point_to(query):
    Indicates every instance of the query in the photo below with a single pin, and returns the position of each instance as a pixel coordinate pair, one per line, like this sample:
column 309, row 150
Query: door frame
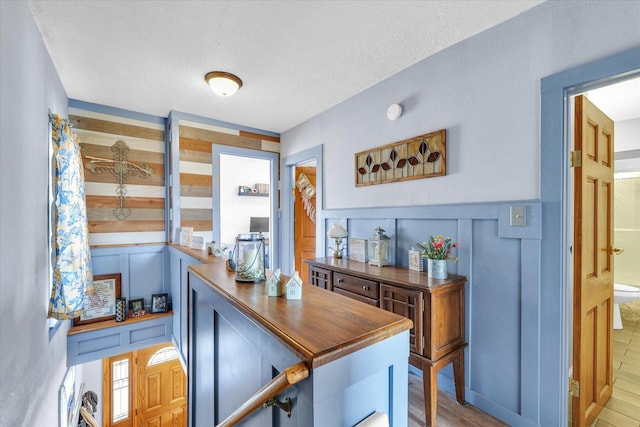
column 556, row 308
column 272, row 158
column 287, row 168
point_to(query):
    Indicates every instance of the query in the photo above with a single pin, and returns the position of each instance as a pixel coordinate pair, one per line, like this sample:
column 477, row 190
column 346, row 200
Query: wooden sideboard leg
column 458, row 376
column 430, row 383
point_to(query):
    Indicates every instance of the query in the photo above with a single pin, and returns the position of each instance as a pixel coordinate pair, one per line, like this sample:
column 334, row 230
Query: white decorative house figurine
column 294, row 287
column 274, row 285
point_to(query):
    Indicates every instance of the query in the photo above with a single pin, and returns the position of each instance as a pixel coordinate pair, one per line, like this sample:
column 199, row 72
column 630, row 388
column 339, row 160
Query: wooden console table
column 436, row 308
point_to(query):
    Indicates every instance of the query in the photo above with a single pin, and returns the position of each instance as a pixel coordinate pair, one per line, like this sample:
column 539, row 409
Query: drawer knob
column 340, row 280
column 365, row 287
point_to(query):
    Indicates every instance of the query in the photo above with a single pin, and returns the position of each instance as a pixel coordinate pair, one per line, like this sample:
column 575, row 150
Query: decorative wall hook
column 121, row 168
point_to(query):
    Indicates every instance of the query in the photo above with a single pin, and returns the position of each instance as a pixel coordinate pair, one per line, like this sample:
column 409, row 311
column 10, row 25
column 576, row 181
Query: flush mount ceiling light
column 222, row 83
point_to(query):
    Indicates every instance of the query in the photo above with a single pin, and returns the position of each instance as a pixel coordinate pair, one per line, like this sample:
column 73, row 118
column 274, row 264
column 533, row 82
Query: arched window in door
column 163, row 355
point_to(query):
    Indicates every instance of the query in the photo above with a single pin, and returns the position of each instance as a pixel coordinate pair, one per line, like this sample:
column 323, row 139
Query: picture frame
column 358, row 249
column 186, row 234
column 415, row 261
column 136, row 306
column 100, row 299
column 423, row 156
column 159, row 303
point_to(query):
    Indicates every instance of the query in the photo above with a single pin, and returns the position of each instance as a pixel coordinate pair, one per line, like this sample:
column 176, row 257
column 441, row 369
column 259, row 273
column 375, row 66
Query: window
column 120, row 390
column 163, row 355
column 54, row 324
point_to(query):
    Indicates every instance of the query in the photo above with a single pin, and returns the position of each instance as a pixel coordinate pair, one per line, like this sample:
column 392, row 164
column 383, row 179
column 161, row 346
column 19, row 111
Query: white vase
column 437, row 268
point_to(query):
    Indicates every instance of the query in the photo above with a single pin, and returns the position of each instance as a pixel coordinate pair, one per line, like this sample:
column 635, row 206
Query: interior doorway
column 594, row 246
column 309, row 157
column 145, row 388
column 304, row 238
column 245, row 197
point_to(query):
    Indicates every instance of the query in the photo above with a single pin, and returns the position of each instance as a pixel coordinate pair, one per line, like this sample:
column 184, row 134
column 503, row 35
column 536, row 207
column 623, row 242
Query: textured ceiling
column 296, row 58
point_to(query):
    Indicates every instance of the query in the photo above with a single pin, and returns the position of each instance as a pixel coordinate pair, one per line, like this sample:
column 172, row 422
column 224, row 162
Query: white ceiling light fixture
column 223, row 83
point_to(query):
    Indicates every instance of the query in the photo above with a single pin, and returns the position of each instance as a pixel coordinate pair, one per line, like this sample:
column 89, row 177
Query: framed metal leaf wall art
column 419, row 157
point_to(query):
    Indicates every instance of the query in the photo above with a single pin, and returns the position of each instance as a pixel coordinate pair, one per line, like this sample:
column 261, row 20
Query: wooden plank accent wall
column 145, row 197
column 196, row 179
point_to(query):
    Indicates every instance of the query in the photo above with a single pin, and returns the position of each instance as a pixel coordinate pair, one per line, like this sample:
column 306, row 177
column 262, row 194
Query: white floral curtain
column 72, row 270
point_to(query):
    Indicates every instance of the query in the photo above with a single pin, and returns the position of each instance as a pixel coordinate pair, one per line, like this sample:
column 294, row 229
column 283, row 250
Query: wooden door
column 304, row 236
column 593, row 262
column 117, row 408
column 161, row 389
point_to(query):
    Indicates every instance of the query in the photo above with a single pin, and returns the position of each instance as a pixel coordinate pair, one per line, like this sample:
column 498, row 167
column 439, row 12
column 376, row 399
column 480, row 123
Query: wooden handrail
column 281, row 382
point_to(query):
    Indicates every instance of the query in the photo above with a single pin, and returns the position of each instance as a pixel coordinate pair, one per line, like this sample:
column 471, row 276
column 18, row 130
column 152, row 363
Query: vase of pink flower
column 437, row 251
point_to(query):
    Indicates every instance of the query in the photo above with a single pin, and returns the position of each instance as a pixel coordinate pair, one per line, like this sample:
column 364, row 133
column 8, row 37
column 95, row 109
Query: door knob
column 616, row 251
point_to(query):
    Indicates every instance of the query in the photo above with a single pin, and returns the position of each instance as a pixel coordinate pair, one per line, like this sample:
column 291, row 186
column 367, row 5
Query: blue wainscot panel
column 144, row 269
column 93, row 345
column 502, row 264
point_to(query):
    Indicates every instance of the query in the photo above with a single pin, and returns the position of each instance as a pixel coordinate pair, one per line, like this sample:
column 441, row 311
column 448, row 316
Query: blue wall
column 486, row 92
column 32, row 364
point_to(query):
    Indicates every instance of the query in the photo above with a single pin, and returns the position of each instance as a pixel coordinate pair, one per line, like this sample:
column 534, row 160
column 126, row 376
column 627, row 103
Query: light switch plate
column 518, row 215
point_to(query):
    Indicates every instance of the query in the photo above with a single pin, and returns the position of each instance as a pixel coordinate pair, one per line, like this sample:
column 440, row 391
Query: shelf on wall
column 112, row 323
column 242, row 193
column 95, row 341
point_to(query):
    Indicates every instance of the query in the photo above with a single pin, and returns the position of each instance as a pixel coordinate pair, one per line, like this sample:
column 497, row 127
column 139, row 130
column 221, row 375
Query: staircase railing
column 266, row 395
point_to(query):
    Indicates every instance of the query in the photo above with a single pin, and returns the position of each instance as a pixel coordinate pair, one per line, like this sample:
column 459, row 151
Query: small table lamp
column 379, row 252
column 337, row 233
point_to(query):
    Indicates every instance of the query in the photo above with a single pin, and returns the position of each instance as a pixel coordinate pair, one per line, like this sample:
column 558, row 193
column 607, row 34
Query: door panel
column 593, row 268
column 304, row 239
column 162, row 391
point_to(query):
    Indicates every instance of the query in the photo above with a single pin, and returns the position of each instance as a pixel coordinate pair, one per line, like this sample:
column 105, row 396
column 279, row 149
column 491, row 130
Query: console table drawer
column 356, row 285
column 357, row 297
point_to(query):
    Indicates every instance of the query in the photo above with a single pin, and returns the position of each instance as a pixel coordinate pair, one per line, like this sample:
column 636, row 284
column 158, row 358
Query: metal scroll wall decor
column 308, row 192
column 121, row 168
column 419, row 157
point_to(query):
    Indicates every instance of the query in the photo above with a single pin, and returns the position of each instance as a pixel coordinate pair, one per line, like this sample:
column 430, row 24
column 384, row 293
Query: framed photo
column 186, row 234
column 136, row 306
column 358, row 249
column 100, row 300
column 415, row 261
column 159, row 303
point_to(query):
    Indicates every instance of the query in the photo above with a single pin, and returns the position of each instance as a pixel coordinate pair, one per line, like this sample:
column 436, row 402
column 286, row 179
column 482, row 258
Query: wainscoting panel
column 147, row 273
column 502, row 265
column 494, row 318
column 144, row 269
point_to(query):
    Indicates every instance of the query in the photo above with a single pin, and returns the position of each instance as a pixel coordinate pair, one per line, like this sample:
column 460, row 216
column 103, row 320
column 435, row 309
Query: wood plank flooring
column 623, row 409
column 450, row 412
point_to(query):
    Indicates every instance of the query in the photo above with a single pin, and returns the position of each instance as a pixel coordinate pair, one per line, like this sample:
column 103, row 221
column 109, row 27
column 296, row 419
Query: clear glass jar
column 249, row 258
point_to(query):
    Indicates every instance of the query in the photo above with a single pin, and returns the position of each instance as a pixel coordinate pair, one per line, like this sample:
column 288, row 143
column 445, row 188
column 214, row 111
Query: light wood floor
column 623, row 409
column 450, row 412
